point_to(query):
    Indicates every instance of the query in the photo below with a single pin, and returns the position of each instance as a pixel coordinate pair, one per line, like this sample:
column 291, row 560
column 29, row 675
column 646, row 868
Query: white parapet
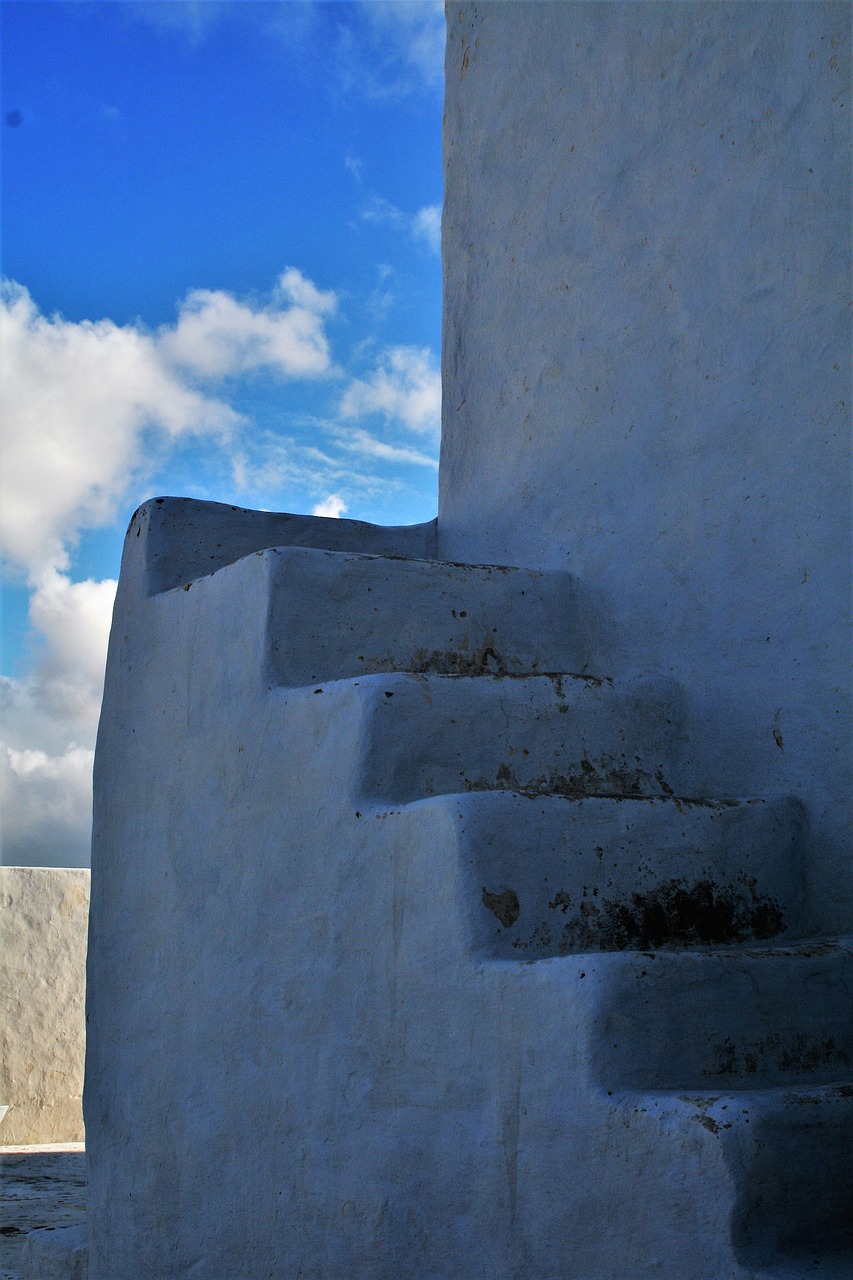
column 44, row 914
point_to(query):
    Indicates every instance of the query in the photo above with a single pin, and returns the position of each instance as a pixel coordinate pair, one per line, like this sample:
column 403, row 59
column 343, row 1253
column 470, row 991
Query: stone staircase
column 521, row 911
column 573, row 840
column 755, row 1046
column 575, row 837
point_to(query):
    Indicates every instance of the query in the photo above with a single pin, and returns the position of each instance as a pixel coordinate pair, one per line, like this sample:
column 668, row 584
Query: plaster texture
column 647, row 357
column 43, row 924
column 513, row 1003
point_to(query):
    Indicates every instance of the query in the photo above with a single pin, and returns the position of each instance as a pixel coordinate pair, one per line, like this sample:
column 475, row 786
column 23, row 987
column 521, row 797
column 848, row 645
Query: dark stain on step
column 605, row 777
column 504, row 905
column 796, row 1054
column 673, row 914
column 453, row 662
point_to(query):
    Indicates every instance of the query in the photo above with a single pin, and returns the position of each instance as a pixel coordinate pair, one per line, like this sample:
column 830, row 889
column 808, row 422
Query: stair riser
column 745, row 1020
column 795, row 1190
column 787, row 1197
column 553, row 877
column 372, row 614
column 543, row 735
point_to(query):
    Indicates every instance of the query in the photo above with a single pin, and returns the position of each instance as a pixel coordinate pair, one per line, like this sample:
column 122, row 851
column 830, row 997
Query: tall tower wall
column 647, row 356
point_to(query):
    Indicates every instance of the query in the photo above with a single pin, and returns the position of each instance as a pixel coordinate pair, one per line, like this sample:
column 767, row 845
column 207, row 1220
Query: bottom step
column 789, row 1155
column 794, row 1166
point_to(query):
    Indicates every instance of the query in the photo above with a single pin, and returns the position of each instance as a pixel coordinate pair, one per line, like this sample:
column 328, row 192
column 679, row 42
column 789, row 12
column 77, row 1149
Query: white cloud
column 411, row 32
column 379, row 301
column 193, row 19
column 333, row 507
column 299, row 290
column 270, row 463
column 382, row 212
column 404, row 389
column 74, row 620
column 425, row 225
column 88, row 404
column 357, row 440
column 217, row 336
column 47, row 803
column 88, row 408
column 49, row 723
column 375, row 49
column 77, row 398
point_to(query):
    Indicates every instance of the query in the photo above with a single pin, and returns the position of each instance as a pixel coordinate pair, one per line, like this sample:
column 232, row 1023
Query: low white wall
column 44, row 914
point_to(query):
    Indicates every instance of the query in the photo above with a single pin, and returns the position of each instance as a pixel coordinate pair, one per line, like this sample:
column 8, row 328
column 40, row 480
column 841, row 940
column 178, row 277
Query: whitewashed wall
column 647, row 357
column 44, row 914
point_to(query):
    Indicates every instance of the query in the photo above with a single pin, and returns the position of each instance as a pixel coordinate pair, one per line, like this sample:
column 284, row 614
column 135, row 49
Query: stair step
column 559, row 734
column 380, row 614
column 546, row 876
column 746, row 1018
column 788, row 1153
column 795, row 1188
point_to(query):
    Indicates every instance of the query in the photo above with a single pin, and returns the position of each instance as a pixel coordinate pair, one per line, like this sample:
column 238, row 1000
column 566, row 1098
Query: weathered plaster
column 393, row 924
column 43, row 921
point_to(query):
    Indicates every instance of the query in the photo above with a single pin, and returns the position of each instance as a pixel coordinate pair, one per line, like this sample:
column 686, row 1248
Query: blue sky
column 221, row 278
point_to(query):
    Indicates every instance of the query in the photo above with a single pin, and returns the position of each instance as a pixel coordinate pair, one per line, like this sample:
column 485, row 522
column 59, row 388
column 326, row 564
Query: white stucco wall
column 400, row 901
column 44, row 915
column 647, row 357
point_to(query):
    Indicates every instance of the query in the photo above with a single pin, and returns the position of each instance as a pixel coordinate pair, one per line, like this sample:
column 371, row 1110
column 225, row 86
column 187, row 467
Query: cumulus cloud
column 49, row 723
column 404, row 388
column 47, row 802
column 86, row 402
column 217, row 336
column 333, row 507
column 77, row 398
column 296, row 288
column 88, row 407
column 73, row 619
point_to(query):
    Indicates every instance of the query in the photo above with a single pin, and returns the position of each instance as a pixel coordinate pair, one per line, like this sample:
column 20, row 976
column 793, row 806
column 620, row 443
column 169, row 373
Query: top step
column 335, row 616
